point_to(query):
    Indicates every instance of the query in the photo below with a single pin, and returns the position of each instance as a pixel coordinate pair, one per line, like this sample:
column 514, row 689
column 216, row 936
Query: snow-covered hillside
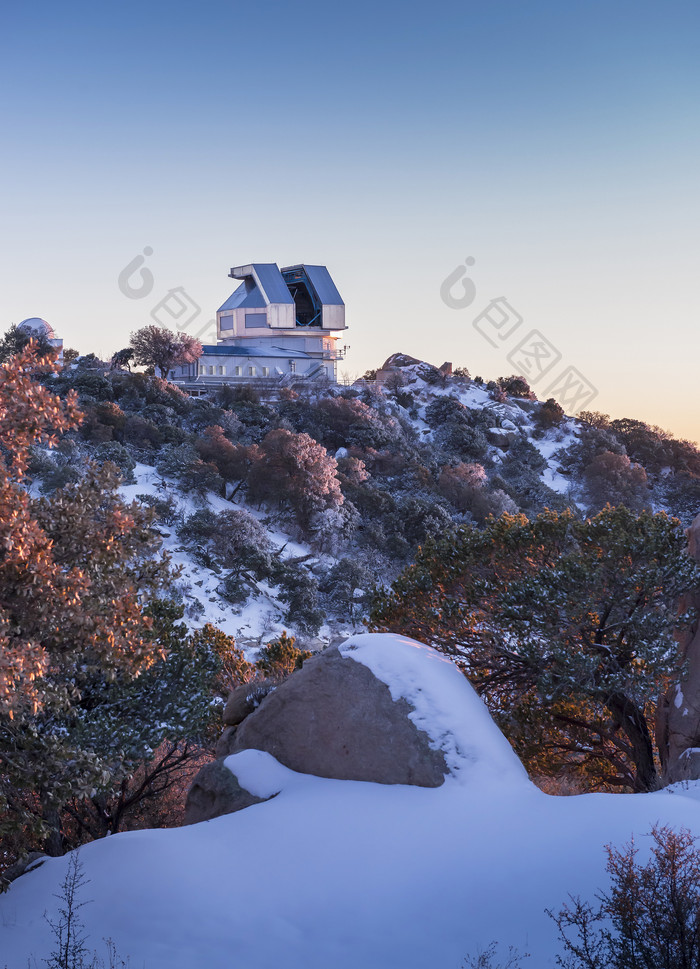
column 415, row 457
column 348, row 874
column 262, row 616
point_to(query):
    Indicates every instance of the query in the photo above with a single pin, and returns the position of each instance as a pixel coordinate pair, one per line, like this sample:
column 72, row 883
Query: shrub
column 459, row 484
column 232, row 460
column 233, row 667
column 346, row 579
column 165, row 509
column 294, row 470
column 193, row 475
column 141, row 433
column 613, row 479
column 232, row 540
column 649, row 918
column 65, row 467
column 119, row 456
column 681, row 496
column 445, row 410
column 300, row 592
column 280, row 657
column 549, row 414
column 464, row 441
column 516, row 386
column 341, row 421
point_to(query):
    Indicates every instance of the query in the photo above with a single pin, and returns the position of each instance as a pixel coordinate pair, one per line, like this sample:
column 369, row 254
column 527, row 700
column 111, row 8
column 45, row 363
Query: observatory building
column 38, row 328
column 279, row 325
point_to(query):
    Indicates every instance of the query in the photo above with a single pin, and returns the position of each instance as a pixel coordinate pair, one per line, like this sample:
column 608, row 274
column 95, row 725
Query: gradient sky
column 557, row 144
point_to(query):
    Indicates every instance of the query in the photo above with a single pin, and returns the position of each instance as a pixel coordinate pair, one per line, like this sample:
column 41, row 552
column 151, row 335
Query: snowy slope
column 260, row 618
column 346, row 874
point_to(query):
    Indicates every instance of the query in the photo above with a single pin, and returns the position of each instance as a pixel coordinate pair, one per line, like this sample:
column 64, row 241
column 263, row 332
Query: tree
column 150, row 730
column 29, row 415
column 567, row 628
column 549, row 414
column 293, row 469
column 78, row 568
column 231, row 460
column 121, row 360
column 516, row 386
column 613, row 478
column 156, row 346
column 650, row 916
column 15, row 340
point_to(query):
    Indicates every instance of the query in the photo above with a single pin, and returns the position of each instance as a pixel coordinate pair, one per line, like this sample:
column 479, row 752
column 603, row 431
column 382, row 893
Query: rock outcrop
column 333, row 718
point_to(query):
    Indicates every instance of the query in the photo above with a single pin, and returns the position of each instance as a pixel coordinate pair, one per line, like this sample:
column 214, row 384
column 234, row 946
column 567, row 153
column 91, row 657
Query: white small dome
column 37, row 327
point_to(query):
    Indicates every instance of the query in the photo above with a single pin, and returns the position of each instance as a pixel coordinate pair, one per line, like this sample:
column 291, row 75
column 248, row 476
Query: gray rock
column 501, row 437
column 224, row 745
column 241, row 702
column 334, row 718
column 25, row 864
column 216, row 791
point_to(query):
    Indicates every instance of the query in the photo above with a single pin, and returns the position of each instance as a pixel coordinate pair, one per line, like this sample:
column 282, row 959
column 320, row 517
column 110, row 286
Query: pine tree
column 567, row 628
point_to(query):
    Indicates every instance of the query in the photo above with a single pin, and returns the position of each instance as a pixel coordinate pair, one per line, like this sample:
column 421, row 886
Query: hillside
column 312, row 536
column 287, row 514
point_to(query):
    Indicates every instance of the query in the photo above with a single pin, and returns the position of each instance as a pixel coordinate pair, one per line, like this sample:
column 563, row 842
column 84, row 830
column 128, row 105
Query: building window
column 251, row 371
column 211, row 371
column 226, row 321
column 266, row 371
column 222, row 371
column 237, row 371
column 202, row 368
column 292, row 366
column 256, row 320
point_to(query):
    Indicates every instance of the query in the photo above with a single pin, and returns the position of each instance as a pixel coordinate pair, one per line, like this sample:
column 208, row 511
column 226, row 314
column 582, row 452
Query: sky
column 453, row 152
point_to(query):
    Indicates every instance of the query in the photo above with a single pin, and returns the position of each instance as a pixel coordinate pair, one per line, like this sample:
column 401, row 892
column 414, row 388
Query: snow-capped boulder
column 216, row 791
column 378, row 708
column 501, row 437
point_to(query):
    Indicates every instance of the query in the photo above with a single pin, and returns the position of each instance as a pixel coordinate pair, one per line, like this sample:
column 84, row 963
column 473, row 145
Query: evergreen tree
column 567, row 628
column 77, row 570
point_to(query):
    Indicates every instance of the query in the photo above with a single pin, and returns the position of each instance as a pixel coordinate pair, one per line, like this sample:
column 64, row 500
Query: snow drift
column 349, row 873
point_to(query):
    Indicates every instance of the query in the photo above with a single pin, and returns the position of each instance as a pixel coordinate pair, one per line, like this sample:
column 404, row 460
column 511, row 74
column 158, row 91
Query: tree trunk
column 678, row 710
column 53, row 843
column 633, row 723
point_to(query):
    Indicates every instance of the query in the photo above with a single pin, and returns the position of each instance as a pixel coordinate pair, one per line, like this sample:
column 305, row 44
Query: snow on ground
column 548, row 445
column 261, row 617
column 346, row 874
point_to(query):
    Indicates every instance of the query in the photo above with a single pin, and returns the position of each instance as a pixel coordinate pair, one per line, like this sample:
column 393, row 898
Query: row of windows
column 221, row 371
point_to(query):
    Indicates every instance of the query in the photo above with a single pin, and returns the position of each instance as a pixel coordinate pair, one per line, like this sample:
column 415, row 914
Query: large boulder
column 378, row 708
column 335, row 718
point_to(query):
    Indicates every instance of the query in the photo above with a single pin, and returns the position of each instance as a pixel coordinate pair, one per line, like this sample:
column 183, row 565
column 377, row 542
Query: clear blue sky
column 558, row 144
